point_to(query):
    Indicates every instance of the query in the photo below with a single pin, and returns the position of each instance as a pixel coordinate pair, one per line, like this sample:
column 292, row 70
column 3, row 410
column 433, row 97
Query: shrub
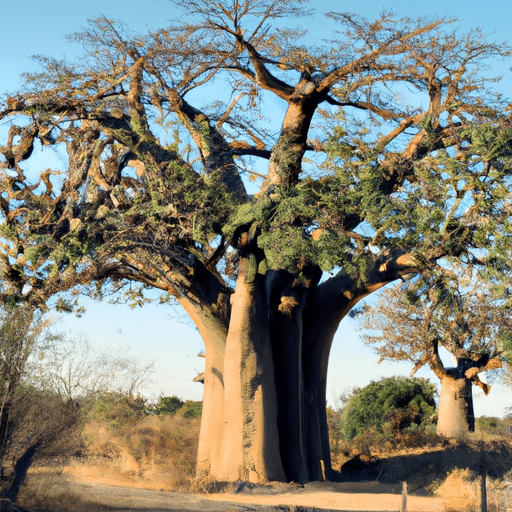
column 334, row 424
column 166, row 405
column 192, row 409
column 116, row 410
column 490, row 425
column 157, row 452
column 460, row 491
column 397, row 400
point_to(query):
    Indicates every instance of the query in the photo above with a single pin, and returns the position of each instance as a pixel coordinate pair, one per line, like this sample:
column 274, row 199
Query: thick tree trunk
column 455, row 414
column 327, row 306
column 209, row 452
column 286, row 335
column 213, row 333
column 317, row 346
column 20, row 473
column 272, row 388
column 250, row 444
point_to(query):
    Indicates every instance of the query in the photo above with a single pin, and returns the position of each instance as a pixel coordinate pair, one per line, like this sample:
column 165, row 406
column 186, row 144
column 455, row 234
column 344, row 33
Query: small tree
column 465, row 314
column 334, row 423
column 371, row 406
column 32, row 422
column 115, row 409
column 43, row 424
column 192, row 409
column 44, row 378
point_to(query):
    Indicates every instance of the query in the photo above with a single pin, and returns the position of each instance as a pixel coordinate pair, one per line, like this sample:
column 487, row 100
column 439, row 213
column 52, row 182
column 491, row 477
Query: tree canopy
column 417, row 151
column 392, row 155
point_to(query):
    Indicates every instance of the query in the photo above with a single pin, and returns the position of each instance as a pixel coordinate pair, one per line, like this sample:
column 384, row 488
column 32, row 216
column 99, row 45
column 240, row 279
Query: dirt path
column 369, row 497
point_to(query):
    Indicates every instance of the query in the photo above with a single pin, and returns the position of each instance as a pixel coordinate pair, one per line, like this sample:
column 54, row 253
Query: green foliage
column 490, row 425
column 166, row 405
column 116, row 410
column 395, row 177
column 368, row 406
column 191, row 409
column 452, row 307
column 334, row 425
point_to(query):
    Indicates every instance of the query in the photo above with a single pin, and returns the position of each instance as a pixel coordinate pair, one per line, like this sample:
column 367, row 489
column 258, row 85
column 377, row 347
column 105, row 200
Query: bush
column 173, row 405
column 157, row 452
column 166, row 405
column 192, row 409
column 116, row 410
column 400, row 401
column 491, row 425
column 334, row 424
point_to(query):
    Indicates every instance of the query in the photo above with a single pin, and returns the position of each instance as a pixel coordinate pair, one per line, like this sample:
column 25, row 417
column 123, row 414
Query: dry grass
column 460, row 491
column 159, row 452
column 373, row 444
column 49, row 490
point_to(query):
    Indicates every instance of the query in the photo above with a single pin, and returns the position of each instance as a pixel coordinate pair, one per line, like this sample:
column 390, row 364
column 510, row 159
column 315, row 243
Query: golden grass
column 159, row 452
column 460, row 491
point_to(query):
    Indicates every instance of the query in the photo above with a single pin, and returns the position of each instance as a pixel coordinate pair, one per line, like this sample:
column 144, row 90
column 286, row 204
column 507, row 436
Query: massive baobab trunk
column 269, row 420
column 270, row 423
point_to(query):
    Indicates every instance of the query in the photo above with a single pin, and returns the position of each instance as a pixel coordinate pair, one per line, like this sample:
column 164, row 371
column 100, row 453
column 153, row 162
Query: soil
column 368, row 497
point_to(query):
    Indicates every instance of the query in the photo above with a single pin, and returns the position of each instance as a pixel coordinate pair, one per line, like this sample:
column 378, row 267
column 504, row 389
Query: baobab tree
column 161, row 133
column 464, row 314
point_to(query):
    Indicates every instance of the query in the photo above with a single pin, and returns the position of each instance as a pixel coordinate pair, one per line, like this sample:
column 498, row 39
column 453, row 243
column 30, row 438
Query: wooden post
column 483, row 492
column 404, row 497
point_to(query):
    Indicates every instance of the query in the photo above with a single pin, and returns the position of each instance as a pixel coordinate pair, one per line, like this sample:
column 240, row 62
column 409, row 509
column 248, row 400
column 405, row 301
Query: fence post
column 483, row 492
column 404, row 497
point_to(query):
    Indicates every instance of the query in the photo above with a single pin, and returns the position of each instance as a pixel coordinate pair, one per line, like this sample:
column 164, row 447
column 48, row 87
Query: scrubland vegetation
column 125, row 437
column 124, row 440
column 449, row 468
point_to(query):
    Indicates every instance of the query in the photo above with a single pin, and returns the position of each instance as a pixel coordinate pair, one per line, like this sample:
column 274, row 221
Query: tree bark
column 327, row 305
column 455, row 414
column 250, row 443
column 287, row 154
column 286, row 336
column 209, row 450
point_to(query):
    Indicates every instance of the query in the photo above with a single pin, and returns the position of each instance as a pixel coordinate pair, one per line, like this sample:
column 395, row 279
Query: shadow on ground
column 424, row 470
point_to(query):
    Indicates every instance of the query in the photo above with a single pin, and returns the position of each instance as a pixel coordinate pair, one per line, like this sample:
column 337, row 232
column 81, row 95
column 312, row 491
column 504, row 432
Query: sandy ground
column 369, row 497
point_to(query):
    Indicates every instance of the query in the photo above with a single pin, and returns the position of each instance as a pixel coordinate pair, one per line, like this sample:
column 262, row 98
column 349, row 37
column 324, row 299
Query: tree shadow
column 426, row 469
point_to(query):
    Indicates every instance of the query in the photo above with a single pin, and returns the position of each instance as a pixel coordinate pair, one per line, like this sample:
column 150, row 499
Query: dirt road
column 369, row 497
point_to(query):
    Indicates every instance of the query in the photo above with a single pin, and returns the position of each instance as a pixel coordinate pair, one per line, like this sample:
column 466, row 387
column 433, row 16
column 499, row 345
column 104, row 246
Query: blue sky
column 157, row 332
